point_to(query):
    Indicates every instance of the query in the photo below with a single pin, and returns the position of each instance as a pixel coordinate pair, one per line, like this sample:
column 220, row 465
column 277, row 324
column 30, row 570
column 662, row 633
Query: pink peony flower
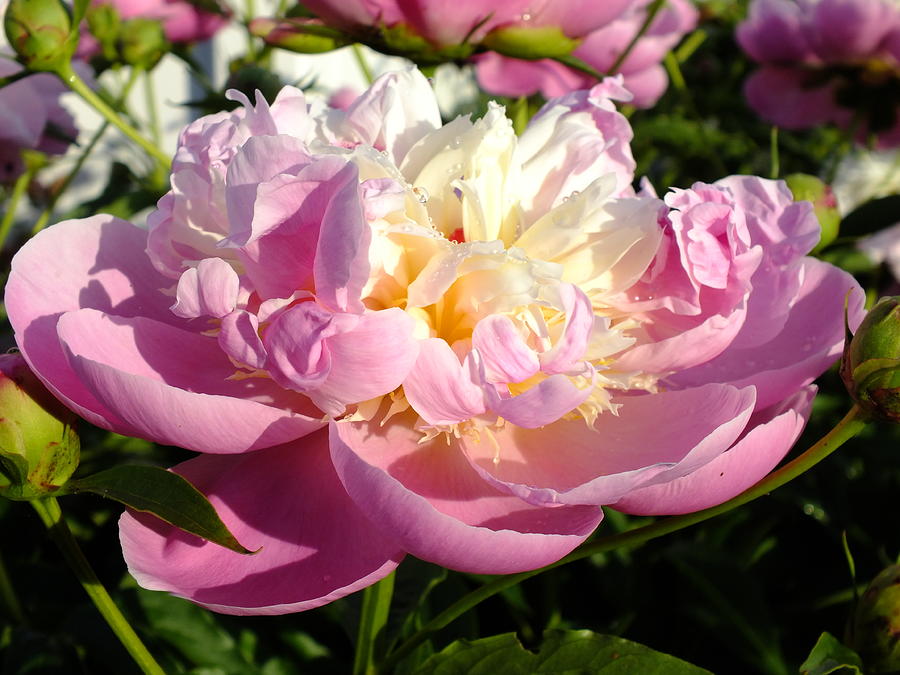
column 446, row 24
column 825, row 61
column 389, row 336
column 31, row 117
column 645, row 78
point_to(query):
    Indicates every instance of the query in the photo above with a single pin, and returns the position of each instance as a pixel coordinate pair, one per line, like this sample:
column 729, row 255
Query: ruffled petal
column 170, row 386
column 653, row 438
column 315, row 544
column 772, row 433
column 440, row 510
column 440, row 388
column 210, row 289
column 811, row 340
column 97, row 262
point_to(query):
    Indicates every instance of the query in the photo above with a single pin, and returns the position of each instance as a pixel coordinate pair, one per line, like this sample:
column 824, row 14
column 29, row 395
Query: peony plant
column 389, row 335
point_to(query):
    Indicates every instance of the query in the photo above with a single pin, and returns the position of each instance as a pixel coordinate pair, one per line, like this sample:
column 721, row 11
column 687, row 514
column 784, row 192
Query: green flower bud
column 876, row 624
column 871, row 364
column 105, row 24
column 142, row 42
column 39, row 448
column 542, row 42
column 305, row 36
column 814, row 190
column 38, row 31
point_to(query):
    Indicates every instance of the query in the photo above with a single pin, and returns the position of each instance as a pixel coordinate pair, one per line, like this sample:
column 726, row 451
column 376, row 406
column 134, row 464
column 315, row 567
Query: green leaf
column 164, row 494
column 563, row 652
column 830, row 657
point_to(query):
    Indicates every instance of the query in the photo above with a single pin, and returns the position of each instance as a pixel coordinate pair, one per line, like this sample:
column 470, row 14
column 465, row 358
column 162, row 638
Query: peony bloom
column 825, row 61
column 31, row 117
column 644, row 77
column 389, row 336
column 445, row 24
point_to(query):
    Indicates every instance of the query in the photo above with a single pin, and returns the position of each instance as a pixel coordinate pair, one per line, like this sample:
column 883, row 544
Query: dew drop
column 421, row 194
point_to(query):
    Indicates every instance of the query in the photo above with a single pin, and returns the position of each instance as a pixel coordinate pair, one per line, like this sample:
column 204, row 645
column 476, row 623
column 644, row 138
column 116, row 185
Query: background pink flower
column 387, row 335
column 446, row 24
column 825, row 61
column 31, row 117
column 644, row 75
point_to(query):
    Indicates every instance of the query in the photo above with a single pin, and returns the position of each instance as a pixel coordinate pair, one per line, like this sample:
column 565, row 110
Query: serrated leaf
column 831, row 657
column 163, row 493
column 562, row 652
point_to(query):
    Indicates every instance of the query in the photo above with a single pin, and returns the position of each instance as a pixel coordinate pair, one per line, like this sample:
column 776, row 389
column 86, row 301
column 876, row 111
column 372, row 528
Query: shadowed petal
column 315, row 544
column 440, row 510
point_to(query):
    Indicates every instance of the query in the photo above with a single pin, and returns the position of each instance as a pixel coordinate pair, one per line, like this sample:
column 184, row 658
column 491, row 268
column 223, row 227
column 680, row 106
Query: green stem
column 362, row 63
column 150, row 102
column 852, row 423
column 372, row 620
column 652, row 11
column 51, row 515
column 8, row 593
column 76, row 84
column 575, row 63
column 44, row 218
column 775, row 168
column 19, row 189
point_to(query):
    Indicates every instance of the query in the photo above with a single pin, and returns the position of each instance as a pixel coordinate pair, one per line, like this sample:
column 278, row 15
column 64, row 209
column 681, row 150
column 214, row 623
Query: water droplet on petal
column 421, row 194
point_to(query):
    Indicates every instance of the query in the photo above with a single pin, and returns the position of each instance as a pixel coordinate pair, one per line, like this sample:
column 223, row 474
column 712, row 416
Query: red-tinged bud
column 305, row 36
column 38, row 31
column 39, row 448
column 871, row 364
column 812, row 189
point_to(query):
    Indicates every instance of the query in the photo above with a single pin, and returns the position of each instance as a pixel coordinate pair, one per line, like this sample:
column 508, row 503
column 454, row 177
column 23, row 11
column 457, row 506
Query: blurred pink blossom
column 445, row 23
column 182, row 21
column 825, row 61
column 31, row 117
column 644, row 75
column 387, row 335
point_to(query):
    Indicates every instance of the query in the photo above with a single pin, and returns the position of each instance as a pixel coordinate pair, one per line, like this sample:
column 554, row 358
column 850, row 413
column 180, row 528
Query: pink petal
column 210, row 289
column 772, row 433
column 504, row 353
column 97, row 262
column 440, row 388
column 371, row 360
column 570, row 347
column 811, row 340
column 544, row 403
column 315, row 544
column 440, row 510
column 572, row 463
column 787, row 97
column 239, row 339
column 171, row 386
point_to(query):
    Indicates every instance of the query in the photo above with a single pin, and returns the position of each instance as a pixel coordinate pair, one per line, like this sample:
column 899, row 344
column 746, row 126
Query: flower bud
column 871, row 364
column 104, row 23
column 39, row 448
column 531, row 43
column 305, row 36
column 876, row 624
column 38, row 31
column 812, row 189
column 142, row 42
